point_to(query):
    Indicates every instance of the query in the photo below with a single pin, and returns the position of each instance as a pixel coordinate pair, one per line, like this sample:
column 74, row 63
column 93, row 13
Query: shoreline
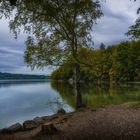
column 39, row 120
column 110, row 122
column 31, row 124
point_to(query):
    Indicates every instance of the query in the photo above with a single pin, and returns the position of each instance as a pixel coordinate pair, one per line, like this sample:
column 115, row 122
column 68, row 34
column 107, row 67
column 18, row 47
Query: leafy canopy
column 120, row 62
column 58, row 27
column 134, row 30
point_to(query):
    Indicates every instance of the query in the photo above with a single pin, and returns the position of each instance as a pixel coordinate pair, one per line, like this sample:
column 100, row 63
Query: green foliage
column 62, row 73
column 59, row 27
column 115, row 63
column 134, row 30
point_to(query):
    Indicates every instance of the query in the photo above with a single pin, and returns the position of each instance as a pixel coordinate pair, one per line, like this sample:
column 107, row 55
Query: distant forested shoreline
column 117, row 63
column 9, row 76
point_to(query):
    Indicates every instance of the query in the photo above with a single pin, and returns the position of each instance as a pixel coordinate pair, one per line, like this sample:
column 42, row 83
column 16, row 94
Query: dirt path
column 110, row 123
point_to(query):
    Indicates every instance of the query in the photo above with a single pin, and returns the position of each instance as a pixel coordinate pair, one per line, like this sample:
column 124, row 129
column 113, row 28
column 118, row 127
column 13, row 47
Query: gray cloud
column 118, row 16
column 8, row 50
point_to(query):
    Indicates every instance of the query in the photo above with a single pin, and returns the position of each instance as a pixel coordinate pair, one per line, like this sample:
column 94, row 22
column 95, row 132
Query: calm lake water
column 23, row 100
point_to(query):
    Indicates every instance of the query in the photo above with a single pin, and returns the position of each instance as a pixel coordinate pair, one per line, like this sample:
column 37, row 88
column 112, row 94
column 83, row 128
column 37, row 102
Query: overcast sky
column 110, row 29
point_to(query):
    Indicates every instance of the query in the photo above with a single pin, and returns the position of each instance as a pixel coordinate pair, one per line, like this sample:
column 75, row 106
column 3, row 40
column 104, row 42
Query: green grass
column 132, row 104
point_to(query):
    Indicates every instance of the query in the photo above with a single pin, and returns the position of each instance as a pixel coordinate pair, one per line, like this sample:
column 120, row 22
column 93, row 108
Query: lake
column 24, row 100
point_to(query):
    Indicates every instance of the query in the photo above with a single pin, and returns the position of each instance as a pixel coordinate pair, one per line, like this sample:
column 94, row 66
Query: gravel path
column 112, row 123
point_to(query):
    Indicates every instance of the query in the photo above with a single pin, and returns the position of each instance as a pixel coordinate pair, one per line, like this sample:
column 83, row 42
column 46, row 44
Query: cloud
column 8, row 50
column 118, row 16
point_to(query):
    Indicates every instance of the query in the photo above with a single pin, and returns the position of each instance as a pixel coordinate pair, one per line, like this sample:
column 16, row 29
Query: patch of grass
column 135, row 104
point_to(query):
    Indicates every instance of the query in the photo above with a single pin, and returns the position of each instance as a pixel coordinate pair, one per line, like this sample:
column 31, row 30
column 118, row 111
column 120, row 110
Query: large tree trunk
column 76, row 85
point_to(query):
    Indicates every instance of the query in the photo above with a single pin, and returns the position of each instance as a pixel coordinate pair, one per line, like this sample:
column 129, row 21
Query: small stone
column 45, row 118
column 48, row 129
column 14, row 128
column 29, row 124
column 38, row 120
column 50, row 118
column 4, row 130
column 61, row 111
column 53, row 117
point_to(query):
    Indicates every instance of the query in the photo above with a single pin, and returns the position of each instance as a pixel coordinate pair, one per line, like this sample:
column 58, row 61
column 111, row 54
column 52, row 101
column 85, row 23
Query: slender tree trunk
column 76, row 73
column 76, row 85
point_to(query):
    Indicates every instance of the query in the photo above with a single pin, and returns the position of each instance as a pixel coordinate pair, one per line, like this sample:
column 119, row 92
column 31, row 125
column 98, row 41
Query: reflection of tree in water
column 75, row 94
column 65, row 91
column 98, row 95
column 57, row 104
column 78, row 94
column 69, row 93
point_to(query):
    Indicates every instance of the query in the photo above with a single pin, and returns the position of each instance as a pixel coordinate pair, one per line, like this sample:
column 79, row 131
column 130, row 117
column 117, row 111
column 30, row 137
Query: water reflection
column 98, row 95
column 23, row 100
column 8, row 83
column 20, row 101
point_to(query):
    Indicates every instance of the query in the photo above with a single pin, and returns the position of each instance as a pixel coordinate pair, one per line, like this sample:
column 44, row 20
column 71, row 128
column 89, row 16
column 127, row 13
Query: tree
column 59, row 28
column 134, row 30
column 115, row 63
column 102, row 46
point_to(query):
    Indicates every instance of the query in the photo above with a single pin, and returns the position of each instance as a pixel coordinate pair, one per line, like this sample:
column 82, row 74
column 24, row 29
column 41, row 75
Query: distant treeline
column 5, row 76
column 113, row 63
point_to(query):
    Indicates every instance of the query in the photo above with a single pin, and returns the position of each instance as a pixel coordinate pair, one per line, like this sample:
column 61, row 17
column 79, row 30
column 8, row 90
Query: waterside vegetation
column 116, row 63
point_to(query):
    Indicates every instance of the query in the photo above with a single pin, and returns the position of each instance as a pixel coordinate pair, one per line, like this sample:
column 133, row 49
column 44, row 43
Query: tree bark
column 76, row 85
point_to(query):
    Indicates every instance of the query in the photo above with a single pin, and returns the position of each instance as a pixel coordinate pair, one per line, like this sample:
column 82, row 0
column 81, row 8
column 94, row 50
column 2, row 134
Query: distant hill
column 9, row 76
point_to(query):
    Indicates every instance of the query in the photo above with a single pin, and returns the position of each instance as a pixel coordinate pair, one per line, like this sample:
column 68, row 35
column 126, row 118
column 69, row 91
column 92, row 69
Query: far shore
column 24, row 79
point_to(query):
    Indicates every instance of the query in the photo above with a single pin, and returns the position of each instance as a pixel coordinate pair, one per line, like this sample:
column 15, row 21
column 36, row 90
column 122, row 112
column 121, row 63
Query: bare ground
column 111, row 123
